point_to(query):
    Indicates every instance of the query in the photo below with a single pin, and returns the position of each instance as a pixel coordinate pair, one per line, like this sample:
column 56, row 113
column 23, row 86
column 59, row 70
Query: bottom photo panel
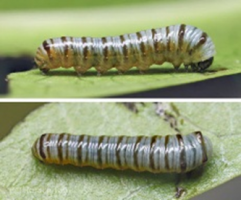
column 120, row 150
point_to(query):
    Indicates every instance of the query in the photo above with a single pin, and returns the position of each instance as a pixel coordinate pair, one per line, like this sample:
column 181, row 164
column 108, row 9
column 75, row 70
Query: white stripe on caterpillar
column 176, row 44
column 170, row 153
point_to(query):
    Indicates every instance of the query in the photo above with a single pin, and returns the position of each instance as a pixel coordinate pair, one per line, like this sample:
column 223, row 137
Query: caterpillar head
column 201, row 66
column 205, row 64
column 201, row 49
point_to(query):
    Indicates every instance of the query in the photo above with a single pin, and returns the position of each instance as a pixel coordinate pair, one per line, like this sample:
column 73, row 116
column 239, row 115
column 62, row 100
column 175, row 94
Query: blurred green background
column 25, row 24
column 56, row 4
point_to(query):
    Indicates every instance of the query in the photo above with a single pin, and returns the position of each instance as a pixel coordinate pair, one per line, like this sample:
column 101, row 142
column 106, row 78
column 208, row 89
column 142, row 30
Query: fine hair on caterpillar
column 176, row 44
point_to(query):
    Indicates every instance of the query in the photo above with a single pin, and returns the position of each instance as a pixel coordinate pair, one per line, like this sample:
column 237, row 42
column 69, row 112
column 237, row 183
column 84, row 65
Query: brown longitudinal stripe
column 106, row 155
column 52, row 43
column 85, row 49
column 99, row 151
column 137, row 143
column 48, row 146
column 124, row 47
column 59, row 146
column 79, row 152
column 41, row 150
column 155, row 42
column 118, row 149
column 181, row 35
column 202, row 40
column 72, row 43
column 66, row 47
column 153, row 145
column 74, row 52
column 114, row 53
column 37, row 59
column 67, row 147
column 46, row 47
column 166, row 152
column 183, row 163
column 142, row 45
column 88, row 145
column 105, row 50
column 201, row 141
column 91, row 52
column 168, row 39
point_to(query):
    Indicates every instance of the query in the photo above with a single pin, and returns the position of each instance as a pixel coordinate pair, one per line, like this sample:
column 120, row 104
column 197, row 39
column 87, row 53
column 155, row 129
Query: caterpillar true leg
column 78, row 70
column 186, row 67
column 44, row 71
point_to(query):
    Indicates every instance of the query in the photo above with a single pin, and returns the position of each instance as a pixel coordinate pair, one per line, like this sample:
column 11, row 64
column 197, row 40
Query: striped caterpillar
column 177, row 44
column 170, row 153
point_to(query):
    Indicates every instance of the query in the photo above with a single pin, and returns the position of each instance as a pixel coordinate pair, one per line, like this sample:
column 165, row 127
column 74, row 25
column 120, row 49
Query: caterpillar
column 170, row 153
column 177, row 44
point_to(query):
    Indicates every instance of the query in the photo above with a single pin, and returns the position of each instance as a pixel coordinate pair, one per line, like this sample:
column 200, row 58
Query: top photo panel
column 120, row 49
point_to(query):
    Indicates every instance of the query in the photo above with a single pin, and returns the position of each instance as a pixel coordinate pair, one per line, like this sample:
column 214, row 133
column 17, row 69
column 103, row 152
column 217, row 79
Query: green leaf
column 24, row 177
column 37, row 26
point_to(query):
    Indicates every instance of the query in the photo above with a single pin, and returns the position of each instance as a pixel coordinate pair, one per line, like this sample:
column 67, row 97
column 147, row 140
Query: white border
column 19, row 100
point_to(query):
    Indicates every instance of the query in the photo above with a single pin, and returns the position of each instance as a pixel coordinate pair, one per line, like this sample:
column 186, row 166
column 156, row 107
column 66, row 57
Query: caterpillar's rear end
column 178, row 44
